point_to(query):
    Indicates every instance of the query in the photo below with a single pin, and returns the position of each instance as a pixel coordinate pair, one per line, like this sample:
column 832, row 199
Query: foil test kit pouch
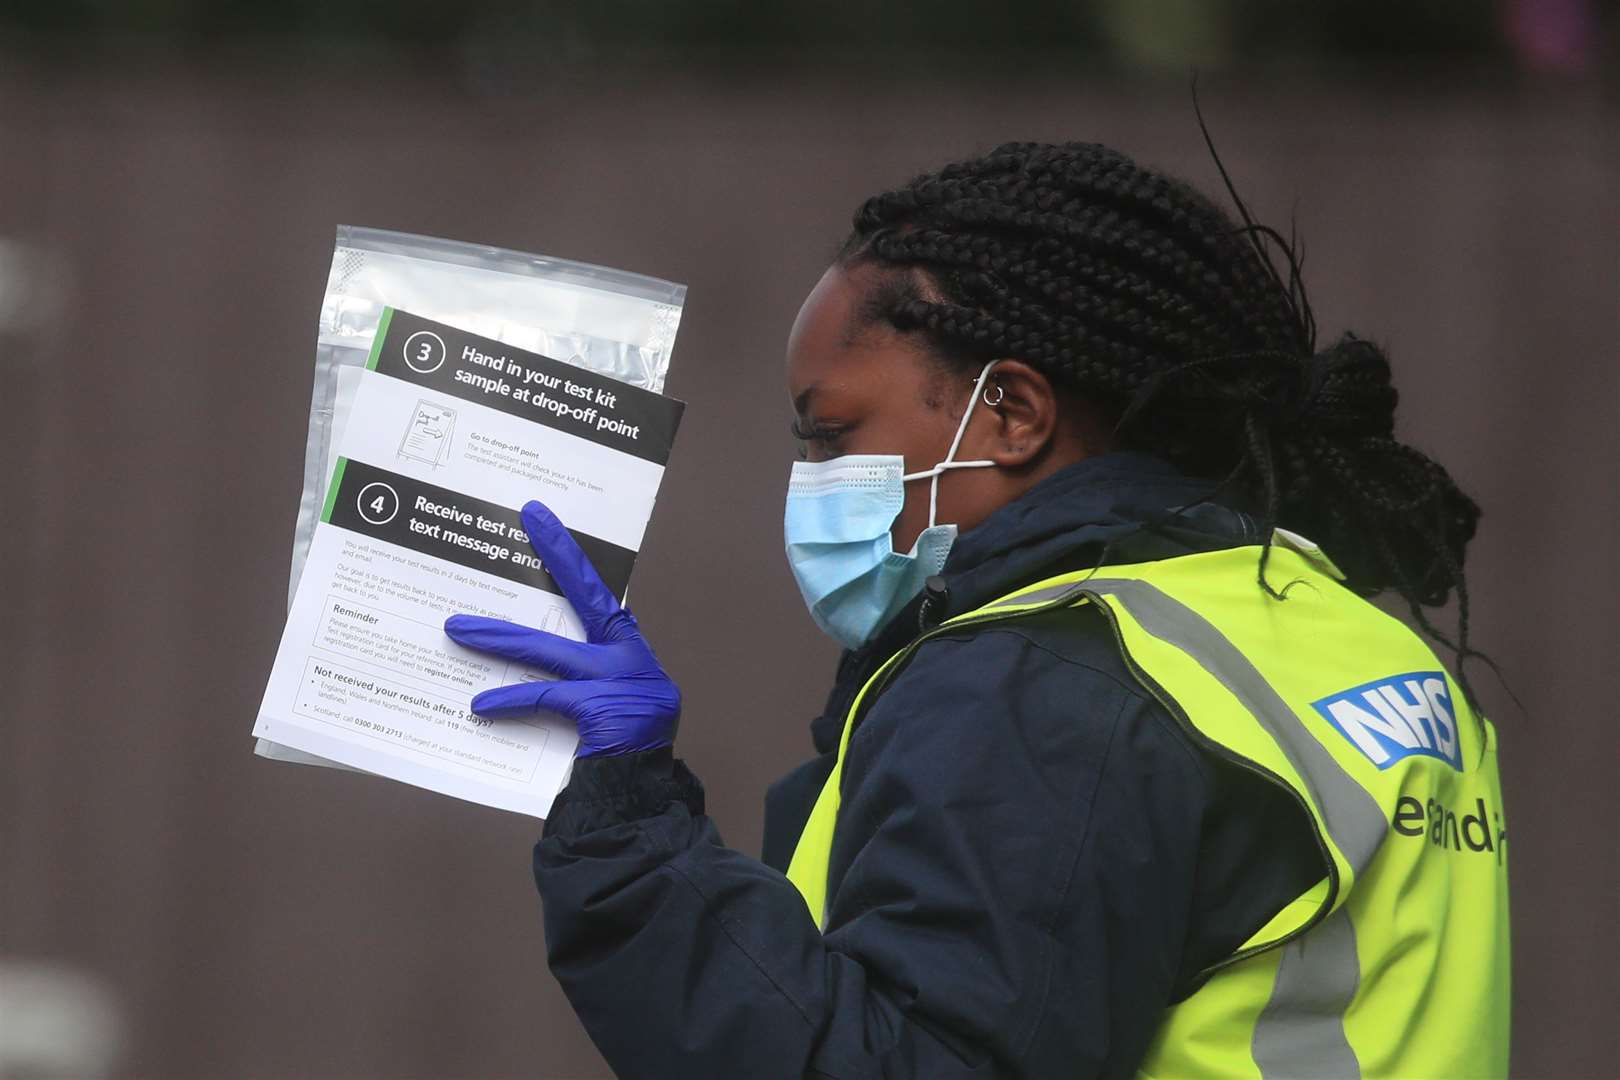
column 611, row 322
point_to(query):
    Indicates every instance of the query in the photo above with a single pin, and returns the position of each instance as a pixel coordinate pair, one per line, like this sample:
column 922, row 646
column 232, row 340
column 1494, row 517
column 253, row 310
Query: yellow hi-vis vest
column 1396, row 963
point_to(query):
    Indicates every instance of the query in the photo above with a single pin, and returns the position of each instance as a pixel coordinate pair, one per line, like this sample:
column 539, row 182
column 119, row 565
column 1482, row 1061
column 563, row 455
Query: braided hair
column 1141, row 295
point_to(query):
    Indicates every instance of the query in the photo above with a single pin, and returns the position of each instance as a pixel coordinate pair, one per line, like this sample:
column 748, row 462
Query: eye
column 816, row 433
column 822, row 436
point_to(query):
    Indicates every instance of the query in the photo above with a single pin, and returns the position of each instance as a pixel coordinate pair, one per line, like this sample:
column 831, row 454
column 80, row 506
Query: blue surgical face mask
column 837, row 524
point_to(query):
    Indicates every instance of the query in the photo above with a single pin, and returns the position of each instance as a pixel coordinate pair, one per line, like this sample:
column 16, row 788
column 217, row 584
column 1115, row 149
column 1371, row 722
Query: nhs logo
column 1397, row 717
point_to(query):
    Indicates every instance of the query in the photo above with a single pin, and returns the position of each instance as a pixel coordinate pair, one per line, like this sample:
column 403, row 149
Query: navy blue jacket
column 1033, row 859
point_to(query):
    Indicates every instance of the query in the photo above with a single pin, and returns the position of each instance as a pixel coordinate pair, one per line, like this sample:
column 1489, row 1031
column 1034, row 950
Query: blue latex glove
column 610, row 685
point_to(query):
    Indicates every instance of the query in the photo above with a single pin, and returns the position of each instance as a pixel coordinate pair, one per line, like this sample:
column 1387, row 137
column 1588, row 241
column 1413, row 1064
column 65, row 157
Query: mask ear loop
column 950, row 455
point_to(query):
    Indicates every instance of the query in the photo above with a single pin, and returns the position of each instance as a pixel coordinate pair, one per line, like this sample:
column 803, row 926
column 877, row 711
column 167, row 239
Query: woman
column 1120, row 773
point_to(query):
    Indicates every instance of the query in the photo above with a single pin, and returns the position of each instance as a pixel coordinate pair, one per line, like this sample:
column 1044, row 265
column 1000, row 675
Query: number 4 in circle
column 377, row 503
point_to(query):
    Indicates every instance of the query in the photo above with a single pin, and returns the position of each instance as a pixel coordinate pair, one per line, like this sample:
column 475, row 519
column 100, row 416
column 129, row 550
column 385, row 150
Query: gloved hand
column 610, row 685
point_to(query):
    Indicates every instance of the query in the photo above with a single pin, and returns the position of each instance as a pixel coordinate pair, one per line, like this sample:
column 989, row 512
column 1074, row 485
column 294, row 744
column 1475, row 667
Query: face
column 874, row 391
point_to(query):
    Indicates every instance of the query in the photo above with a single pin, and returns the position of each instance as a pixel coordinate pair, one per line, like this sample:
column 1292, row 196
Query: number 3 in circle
column 424, row 352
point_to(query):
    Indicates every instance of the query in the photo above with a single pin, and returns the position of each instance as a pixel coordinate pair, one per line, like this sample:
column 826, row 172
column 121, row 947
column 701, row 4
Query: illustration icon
column 427, row 435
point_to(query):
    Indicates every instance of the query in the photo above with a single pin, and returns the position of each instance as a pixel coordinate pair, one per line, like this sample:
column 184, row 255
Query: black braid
column 1137, row 291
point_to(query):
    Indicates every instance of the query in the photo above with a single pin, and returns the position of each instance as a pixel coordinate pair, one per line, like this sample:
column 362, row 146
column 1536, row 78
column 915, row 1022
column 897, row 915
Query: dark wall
column 271, row 920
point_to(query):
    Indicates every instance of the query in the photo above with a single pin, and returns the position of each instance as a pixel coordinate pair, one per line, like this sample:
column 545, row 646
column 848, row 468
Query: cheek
column 923, row 439
column 913, row 516
column 966, row 498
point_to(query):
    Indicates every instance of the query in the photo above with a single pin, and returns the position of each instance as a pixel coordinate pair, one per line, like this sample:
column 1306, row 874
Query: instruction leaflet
column 449, row 434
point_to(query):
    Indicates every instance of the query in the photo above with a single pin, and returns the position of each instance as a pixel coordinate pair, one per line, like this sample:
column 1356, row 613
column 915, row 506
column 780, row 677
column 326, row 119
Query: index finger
column 568, row 566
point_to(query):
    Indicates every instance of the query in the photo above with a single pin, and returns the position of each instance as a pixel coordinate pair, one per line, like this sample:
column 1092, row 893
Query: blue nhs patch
column 1397, row 717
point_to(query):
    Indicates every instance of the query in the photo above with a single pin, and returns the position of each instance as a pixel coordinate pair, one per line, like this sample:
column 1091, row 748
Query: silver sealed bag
column 610, row 321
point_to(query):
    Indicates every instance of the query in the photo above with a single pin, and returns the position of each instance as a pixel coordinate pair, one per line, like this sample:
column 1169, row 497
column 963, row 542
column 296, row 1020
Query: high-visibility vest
column 1396, row 963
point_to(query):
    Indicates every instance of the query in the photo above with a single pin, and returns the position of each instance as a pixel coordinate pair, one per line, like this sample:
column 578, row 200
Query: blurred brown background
column 166, row 216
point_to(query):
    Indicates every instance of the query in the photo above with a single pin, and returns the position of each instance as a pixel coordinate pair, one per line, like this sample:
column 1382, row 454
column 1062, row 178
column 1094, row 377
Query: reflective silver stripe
column 1300, row 1032
column 1352, row 817
column 1354, row 821
column 1039, row 596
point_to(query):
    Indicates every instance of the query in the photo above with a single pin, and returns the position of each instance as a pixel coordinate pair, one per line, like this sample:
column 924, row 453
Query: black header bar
column 470, row 532
column 526, row 384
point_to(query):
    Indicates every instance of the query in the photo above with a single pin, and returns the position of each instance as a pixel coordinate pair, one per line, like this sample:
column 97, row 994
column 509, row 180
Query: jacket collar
column 1115, row 508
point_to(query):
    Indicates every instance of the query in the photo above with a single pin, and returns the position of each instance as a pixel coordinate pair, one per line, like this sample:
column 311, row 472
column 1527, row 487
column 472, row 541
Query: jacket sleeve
column 1010, row 888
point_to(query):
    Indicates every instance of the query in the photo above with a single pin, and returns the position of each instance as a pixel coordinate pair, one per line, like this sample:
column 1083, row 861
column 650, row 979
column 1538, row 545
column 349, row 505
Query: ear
column 1024, row 416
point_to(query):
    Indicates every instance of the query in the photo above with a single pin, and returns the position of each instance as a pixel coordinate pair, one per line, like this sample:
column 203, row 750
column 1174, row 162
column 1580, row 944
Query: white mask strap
column 948, row 463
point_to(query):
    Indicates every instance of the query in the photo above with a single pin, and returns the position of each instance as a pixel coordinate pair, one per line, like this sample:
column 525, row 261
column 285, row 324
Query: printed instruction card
column 449, row 435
